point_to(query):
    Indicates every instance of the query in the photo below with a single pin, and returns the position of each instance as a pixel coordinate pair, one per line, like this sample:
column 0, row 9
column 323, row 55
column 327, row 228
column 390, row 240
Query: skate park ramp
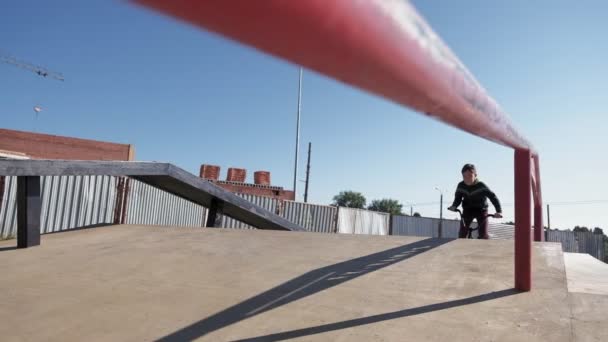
column 141, row 283
column 588, row 287
column 586, row 274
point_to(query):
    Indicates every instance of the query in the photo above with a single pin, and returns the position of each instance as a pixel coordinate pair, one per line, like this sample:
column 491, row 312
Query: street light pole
column 295, row 168
column 440, row 212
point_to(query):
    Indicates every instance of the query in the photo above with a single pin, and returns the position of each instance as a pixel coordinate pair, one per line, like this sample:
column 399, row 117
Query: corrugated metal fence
column 360, row 221
column 423, row 226
column 501, row 231
column 67, row 202
column 148, row 205
column 315, row 218
column 579, row 242
column 78, row 201
column 267, row 203
column 427, row 226
column 8, row 208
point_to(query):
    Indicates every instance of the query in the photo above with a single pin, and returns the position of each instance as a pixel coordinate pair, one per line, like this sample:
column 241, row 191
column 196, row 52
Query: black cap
column 468, row 167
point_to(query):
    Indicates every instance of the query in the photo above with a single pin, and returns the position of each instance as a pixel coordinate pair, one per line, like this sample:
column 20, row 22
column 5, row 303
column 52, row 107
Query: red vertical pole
column 523, row 206
column 538, row 204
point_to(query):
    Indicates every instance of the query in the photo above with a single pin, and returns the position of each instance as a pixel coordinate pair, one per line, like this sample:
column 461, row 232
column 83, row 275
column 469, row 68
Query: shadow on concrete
column 303, row 286
column 91, row 226
column 380, row 317
column 7, row 248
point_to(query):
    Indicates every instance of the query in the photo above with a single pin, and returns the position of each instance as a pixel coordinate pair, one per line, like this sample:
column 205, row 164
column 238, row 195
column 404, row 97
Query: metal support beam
column 523, row 224
column 164, row 176
column 28, row 211
column 216, row 209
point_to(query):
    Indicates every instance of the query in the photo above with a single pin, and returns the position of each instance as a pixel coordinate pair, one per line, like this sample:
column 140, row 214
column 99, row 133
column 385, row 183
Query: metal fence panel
column 579, row 242
column 427, row 226
column 424, row 226
column 268, row 203
column 67, row 202
column 315, row 218
column 8, row 208
column 360, row 221
column 148, row 205
column 499, row 231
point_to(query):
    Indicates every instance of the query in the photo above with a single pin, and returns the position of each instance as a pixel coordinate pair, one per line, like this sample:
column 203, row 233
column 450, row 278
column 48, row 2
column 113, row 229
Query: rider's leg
column 482, row 221
column 465, row 223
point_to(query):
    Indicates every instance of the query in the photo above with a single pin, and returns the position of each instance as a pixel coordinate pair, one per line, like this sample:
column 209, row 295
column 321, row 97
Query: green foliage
column 350, row 199
column 387, row 205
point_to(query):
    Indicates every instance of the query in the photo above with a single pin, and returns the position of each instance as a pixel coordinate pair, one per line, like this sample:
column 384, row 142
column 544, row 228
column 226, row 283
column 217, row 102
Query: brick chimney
column 236, row 175
column 261, row 177
column 211, row 172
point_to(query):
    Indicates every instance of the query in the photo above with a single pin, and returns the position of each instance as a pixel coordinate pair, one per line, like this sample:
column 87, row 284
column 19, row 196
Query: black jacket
column 474, row 197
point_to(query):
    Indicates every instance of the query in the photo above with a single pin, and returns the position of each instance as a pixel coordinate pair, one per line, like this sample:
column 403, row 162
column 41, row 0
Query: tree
column 350, row 199
column 598, row 230
column 416, row 214
column 580, row 229
column 386, row 205
column 512, row 223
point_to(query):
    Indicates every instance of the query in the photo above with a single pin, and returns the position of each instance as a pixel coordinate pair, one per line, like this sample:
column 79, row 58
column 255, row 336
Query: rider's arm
column 457, row 199
column 495, row 202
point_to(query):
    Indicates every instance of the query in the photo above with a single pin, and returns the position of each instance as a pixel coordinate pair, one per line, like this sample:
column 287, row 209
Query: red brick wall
column 244, row 189
column 44, row 146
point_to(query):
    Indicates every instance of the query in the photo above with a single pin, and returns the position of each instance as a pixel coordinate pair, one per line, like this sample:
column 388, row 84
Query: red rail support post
column 523, row 204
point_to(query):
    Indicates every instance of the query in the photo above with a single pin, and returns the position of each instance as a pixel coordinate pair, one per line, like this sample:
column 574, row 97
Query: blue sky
column 188, row 97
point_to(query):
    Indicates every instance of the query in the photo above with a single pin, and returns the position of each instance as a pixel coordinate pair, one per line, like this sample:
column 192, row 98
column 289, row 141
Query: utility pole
column 307, row 174
column 548, row 218
column 295, row 169
column 440, row 212
column 441, row 215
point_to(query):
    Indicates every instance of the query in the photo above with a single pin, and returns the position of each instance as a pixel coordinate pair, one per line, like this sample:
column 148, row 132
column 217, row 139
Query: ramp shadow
column 380, row 317
column 303, row 286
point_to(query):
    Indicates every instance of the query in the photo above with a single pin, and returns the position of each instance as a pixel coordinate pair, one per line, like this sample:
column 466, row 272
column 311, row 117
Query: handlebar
column 460, row 212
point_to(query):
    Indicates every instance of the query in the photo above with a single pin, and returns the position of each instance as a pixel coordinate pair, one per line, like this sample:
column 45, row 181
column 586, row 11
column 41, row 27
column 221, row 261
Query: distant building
column 28, row 145
column 236, row 182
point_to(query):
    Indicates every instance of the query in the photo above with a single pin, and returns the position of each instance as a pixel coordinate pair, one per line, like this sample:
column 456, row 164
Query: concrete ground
column 588, row 287
column 133, row 283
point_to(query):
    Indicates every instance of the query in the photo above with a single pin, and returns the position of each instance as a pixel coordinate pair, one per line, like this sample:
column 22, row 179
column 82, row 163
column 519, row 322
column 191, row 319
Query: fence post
column 118, row 201
column 2, row 182
column 337, row 220
column 125, row 200
column 29, row 203
column 216, row 209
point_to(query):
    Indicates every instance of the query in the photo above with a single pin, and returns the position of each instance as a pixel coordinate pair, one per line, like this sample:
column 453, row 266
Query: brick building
column 46, row 146
column 28, row 145
column 236, row 182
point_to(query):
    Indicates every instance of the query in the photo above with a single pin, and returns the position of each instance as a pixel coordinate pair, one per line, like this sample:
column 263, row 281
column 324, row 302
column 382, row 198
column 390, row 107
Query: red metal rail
column 386, row 48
